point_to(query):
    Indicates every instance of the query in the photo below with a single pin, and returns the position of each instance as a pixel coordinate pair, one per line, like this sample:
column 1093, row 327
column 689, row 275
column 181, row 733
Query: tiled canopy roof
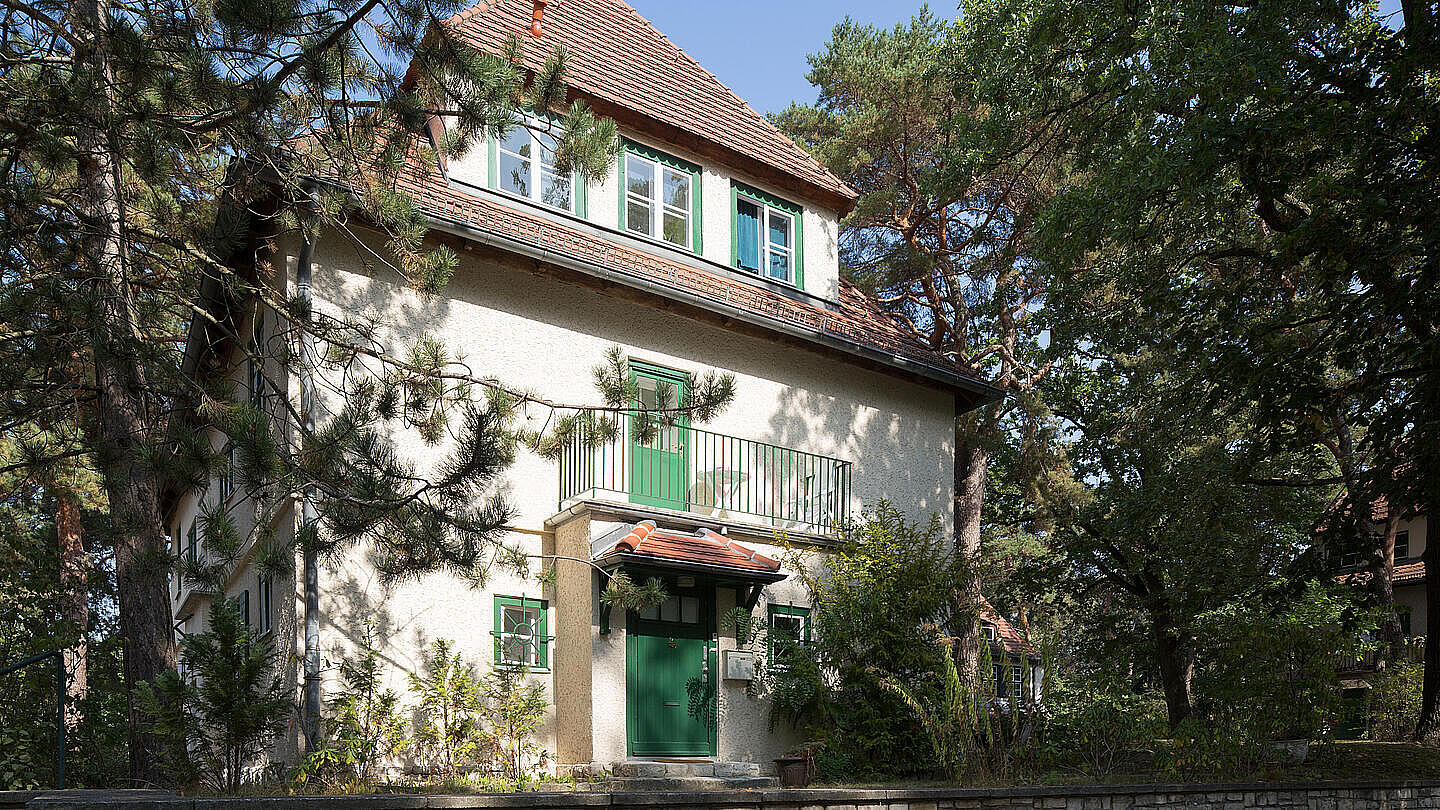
column 704, row 547
column 1406, row 573
column 858, row 320
column 617, row 56
column 1409, row 573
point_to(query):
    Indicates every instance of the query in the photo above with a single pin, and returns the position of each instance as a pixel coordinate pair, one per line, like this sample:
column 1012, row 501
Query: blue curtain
column 747, row 234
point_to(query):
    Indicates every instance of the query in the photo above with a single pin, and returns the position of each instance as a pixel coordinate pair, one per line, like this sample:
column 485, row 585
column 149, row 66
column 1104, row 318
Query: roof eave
column 976, row 393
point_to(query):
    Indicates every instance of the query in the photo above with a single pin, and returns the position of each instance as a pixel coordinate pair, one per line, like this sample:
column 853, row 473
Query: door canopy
column 705, row 552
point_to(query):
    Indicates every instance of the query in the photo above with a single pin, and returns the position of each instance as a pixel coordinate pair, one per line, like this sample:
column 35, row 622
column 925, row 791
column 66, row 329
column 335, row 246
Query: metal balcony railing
column 699, row 471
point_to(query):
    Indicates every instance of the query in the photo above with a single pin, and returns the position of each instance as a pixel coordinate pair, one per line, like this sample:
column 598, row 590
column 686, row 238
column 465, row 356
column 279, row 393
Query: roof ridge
column 736, row 96
column 606, row 37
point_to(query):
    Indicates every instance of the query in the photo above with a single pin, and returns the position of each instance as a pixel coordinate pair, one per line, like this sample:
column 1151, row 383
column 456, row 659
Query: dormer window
column 523, row 163
column 767, row 236
column 660, row 196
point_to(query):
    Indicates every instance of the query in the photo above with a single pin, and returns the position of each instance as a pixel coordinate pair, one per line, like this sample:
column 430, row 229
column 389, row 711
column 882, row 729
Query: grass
column 1340, row 761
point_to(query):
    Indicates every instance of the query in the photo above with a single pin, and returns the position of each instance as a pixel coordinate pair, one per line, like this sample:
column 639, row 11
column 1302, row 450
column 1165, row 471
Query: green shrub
column 1392, row 704
column 514, row 710
column 1095, row 726
column 883, row 596
column 223, row 713
column 365, row 727
column 447, row 728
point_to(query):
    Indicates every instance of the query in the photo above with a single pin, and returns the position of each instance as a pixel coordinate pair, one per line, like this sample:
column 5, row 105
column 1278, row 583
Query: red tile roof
column 1406, row 573
column 704, row 547
column 617, row 56
column 858, row 319
column 1005, row 632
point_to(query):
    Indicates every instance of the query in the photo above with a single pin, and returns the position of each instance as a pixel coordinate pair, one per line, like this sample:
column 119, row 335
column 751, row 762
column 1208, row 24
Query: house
column 711, row 245
column 1407, row 580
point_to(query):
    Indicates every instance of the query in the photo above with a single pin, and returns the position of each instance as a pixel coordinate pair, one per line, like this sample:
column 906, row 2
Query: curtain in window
column 747, row 235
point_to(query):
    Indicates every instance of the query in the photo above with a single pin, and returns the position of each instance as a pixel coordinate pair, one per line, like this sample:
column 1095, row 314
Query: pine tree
column 143, row 142
column 942, row 230
column 223, row 708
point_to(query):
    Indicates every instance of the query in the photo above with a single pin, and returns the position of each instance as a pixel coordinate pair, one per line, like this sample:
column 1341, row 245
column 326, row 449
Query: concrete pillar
column 573, row 632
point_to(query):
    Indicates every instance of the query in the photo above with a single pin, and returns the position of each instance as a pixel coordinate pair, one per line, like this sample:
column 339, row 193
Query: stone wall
column 1316, row 796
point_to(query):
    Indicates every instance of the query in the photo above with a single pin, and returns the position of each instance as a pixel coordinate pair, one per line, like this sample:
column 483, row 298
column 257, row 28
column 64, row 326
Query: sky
column 758, row 47
column 768, row 67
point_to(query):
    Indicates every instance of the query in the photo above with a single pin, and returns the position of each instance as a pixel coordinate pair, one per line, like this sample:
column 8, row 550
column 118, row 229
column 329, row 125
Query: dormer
column 700, row 176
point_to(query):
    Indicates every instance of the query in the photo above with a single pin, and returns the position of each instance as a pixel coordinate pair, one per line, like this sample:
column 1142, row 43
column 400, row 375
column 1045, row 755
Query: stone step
column 649, row 768
column 690, row 783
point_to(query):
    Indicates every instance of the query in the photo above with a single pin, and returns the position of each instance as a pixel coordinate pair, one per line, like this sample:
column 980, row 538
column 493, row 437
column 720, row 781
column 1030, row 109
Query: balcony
column 705, row 473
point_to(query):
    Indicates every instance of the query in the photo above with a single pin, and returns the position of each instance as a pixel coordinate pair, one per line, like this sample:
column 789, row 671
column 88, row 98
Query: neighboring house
column 1407, row 578
column 1017, row 664
column 711, row 245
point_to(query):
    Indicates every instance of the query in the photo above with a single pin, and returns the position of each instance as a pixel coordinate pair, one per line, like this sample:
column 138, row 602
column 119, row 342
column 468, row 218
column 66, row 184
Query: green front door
column 660, row 461
column 670, row 672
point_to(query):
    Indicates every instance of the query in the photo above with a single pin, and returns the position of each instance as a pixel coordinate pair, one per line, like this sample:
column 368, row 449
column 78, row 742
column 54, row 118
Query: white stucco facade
column 543, row 333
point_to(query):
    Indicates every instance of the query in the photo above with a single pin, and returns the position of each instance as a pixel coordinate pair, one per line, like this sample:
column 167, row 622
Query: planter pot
column 794, row 771
column 1292, row 750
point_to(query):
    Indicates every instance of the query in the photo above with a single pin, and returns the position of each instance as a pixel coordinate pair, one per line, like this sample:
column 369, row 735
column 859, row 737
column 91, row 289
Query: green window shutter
column 245, row 607
column 697, row 202
column 492, row 174
column 192, row 544
column 621, row 188
column 582, row 195
column 800, row 260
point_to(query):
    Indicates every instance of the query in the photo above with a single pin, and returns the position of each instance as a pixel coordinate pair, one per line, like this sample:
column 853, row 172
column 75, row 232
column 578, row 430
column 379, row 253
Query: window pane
column 517, row 141
column 780, row 265
column 651, row 613
column 547, row 149
column 677, row 229
column 779, row 229
column 747, row 235
column 677, row 189
column 639, row 177
column 690, row 609
column 637, row 217
column 670, row 610
column 515, row 174
column 555, row 190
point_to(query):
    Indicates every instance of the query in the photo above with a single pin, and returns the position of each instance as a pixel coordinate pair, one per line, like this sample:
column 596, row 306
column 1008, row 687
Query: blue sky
column 758, row 47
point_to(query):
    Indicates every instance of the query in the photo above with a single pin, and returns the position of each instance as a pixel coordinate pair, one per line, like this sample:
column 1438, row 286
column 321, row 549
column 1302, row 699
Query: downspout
column 310, row 713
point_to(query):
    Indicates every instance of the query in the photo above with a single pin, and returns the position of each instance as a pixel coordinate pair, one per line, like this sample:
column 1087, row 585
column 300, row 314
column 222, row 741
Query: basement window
column 521, row 632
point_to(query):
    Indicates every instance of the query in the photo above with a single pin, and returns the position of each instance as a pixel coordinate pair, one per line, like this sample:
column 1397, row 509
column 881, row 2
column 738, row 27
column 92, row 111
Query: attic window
column 523, row 163
column 660, row 196
column 767, row 236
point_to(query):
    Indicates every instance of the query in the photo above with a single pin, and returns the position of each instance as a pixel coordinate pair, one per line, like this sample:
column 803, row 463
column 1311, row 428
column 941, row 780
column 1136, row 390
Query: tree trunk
column 1175, row 657
column 124, row 424
column 74, row 595
column 1382, row 584
column 1431, row 688
column 971, row 458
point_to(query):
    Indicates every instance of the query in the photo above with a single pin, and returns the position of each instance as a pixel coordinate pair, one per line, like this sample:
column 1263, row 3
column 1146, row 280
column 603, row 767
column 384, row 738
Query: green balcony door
column 669, row 653
column 660, row 462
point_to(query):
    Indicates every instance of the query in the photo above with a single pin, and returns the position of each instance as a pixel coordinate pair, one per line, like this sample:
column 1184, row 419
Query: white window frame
column 264, row 597
column 657, row 204
column 537, row 167
column 766, row 246
column 531, row 642
column 227, row 475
